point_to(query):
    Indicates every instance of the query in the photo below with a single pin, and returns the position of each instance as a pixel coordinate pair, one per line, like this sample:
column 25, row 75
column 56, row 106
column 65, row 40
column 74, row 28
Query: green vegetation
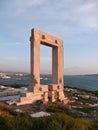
column 11, row 120
column 83, row 90
column 54, row 109
column 85, row 110
column 80, row 99
column 16, row 85
column 60, row 122
column 96, row 93
column 61, row 109
column 79, row 89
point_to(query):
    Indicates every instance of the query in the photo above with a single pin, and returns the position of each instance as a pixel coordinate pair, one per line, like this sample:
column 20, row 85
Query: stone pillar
column 54, row 65
column 57, row 65
column 61, row 65
column 35, row 65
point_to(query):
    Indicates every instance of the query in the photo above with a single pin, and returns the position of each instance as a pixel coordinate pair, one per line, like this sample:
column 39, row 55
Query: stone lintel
column 45, row 38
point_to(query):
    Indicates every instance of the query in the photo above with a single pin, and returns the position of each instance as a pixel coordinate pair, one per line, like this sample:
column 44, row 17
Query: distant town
column 10, row 74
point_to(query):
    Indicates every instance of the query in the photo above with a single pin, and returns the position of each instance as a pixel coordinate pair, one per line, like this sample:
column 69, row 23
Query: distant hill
column 13, row 72
column 91, row 75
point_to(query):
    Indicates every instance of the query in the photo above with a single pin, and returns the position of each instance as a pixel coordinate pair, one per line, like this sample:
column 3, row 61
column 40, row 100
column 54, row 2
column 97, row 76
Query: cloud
column 63, row 19
column 20, row 6
column 88, row 6
column 83, row 15
column 79, row 15
column 86, row 15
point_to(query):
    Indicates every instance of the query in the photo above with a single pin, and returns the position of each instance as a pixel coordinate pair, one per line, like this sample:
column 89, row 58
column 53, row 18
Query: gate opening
column 45, row 65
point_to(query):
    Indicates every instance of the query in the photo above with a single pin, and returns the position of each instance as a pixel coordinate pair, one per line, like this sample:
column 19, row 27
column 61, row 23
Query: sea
column 89, row 82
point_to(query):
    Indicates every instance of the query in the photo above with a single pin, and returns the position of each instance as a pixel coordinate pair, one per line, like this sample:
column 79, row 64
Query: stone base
column 46, row 93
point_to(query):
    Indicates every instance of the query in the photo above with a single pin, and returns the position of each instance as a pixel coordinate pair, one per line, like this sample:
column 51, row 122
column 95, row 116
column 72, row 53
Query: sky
column 74, row 21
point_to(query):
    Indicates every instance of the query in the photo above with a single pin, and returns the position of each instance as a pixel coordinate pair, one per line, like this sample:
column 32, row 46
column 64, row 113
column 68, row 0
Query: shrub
column 22, row 121
column 54, row 109
column 57, row 121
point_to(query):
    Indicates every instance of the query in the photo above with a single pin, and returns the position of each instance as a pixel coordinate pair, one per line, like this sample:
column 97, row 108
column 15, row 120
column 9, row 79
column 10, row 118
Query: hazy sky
column 74, row 21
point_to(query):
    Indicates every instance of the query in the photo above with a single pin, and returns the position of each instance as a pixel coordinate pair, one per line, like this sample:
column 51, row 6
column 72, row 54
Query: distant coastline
column 16, row 72
column 91, row 75
column 87, row 81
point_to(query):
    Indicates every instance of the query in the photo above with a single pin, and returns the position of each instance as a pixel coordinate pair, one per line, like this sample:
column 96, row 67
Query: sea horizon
column 87, row 81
